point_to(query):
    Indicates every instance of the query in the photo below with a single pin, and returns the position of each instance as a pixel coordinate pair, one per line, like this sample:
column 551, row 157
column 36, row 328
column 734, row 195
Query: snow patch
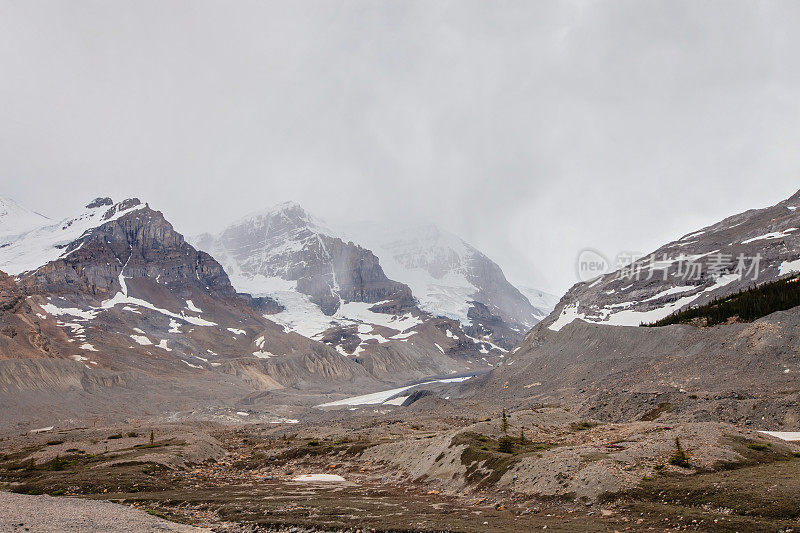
column 141, row 339
column 191, row 307
column 324, row 478
column 789, row 266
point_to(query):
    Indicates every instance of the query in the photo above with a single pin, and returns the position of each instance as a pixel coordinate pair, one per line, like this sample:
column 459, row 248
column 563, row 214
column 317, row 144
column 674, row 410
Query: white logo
column 591, row 264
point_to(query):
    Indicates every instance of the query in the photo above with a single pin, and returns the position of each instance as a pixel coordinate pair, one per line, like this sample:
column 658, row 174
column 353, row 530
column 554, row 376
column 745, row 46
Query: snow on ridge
column 47, row 243
column 632, row 317
column 772, row 235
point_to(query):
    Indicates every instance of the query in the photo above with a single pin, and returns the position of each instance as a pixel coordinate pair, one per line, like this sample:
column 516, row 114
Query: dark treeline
column 748, row 304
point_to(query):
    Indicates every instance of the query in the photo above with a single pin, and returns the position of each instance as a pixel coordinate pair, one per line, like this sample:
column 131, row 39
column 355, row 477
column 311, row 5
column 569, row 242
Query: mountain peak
column 100, row 202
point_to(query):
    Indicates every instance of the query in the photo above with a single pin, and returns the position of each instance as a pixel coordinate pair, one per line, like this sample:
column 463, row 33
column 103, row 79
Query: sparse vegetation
column 663, row 407
column 680, row 457
column 159, row 514
column 583, row 425
column 759, row 446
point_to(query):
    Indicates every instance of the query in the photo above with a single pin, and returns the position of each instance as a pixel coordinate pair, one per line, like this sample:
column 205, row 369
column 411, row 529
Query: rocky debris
column 46, row 514
column 570, row 457
column 737, row 373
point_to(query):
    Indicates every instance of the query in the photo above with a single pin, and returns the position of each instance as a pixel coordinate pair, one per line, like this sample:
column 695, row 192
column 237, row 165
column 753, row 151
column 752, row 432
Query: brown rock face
column 11, row 297
column 20, row 334
column 348, row 272
column 142, row 243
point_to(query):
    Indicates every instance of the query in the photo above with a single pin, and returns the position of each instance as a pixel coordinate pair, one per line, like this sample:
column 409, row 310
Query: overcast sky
column 532, row 129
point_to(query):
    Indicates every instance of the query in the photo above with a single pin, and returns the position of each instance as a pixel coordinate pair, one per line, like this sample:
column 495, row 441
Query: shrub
column 583, row 425
column 506, row 445
column 680, row 457
column 759, row 446
column 313, row 443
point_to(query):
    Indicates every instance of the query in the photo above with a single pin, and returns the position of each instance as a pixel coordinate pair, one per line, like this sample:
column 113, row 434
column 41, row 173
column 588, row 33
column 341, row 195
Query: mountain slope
column 445, row 274
column 743, row 373
column 117, row 289
column 356, row 295
column 16, row 219
column 753, row 247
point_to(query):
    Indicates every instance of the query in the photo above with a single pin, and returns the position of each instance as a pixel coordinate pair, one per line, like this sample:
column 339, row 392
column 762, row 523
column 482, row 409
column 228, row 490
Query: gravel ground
column 20, row 512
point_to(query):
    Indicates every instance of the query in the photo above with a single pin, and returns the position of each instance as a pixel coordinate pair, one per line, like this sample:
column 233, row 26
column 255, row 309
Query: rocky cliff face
column 288, row 244
column 20, row 334
column 138, row 244
column 750, row 248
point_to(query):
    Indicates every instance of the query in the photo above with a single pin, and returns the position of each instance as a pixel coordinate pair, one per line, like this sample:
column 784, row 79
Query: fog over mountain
column 486, row 118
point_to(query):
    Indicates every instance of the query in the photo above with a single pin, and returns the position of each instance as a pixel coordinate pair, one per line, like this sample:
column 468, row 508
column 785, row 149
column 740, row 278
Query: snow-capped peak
column 16, row 219
column 290, row 216
column 36, row 247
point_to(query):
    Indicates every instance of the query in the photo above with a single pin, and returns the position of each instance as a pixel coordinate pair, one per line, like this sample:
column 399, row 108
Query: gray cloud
column 532, row 129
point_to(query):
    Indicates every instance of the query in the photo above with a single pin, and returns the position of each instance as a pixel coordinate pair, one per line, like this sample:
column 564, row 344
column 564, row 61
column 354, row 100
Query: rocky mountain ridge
column 338, row 291
column 753, row 247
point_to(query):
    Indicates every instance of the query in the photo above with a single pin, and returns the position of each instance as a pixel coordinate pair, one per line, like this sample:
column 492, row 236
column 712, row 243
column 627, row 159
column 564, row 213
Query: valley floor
column 394, row 470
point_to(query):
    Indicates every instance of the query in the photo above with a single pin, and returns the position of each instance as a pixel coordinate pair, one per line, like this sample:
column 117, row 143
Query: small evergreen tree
column 522, row 440
column 504, row 422
column 680, row 457
column 506, row 445
column 152, row 437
